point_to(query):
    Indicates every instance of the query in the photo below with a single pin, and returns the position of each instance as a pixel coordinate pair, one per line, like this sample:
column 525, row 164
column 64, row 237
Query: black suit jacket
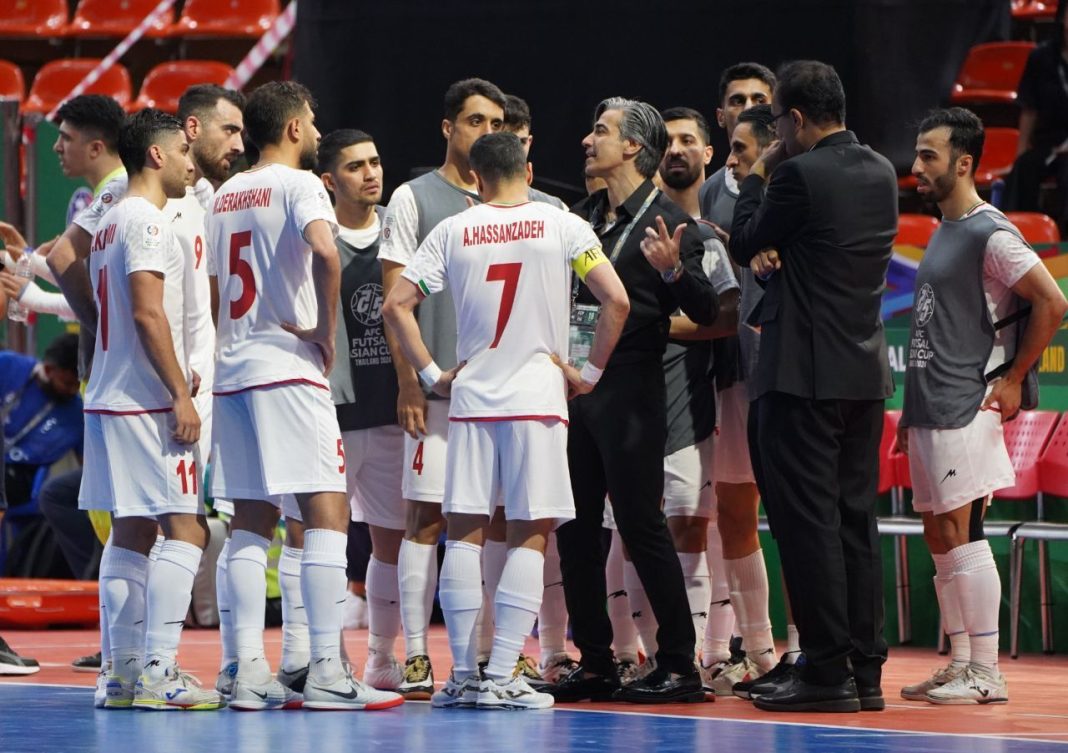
column 832, row 214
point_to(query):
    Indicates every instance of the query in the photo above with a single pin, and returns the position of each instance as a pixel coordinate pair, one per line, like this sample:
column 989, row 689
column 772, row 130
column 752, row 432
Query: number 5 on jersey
column 240, row 268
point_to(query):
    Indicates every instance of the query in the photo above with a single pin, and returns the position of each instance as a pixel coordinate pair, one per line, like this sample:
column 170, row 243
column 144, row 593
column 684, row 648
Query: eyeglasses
column 783, row 114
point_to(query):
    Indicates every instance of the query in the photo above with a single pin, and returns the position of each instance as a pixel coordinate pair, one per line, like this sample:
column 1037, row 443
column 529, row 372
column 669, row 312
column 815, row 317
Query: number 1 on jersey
column 102, row 296
column 244, row 272
column 509, row 275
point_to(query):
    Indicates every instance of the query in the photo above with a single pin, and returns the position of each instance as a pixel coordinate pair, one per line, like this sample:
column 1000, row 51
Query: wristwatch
column 673, row 274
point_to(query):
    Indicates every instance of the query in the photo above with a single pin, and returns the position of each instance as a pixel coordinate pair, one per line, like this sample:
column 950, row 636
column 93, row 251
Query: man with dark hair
column 953, row 414
column 517, row 120
column 617, row 434
column 821, row 235
column 473, row 108
column 274, row 264
column 508, row 413
column 364, row 386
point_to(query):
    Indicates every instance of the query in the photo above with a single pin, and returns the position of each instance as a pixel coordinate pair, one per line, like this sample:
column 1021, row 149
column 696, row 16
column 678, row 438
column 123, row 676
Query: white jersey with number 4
column 257, row 251
column 135, row 236
column 509, row 270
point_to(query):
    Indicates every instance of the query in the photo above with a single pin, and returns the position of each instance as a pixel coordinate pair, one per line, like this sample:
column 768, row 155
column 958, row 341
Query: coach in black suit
column 821, row 232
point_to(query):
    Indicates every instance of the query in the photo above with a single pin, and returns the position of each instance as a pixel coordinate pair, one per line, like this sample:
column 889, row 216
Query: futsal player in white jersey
column 275, row 267
column 508, row 264
column 141, row 459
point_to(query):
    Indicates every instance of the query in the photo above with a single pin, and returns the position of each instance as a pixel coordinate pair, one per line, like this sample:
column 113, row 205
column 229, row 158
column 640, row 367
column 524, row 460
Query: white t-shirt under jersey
column 187, row 222
column 111, row 194
column 509, row 270
column 256, row 248
column 135, row 236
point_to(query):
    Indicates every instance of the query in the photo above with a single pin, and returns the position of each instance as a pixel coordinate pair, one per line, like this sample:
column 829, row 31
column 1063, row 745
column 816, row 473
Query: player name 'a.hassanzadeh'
column 504, row 232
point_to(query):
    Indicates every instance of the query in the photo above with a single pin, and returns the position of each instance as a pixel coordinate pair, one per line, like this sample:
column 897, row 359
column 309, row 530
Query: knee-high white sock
column 247, row 571
column 552, row 617
column 383, row 610
column 494, row 554
column 975, row 575
column 698, row 588
column 461, row 600
column 296, row 646
column 748, row 579
column 153, row 555
column 624, row 632
column 417, row 568
column 720, row 626
column 105, row 635
column 122, row 583
column 516, row 607
column 167, row 597
column 949, row 606
column 793, row 641
column 323, row 584
column 222, row 598
column 640, row 609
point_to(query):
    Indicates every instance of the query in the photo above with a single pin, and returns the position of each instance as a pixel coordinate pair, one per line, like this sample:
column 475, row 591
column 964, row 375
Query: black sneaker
column 777, row 675
column 13, row 664
column 580, row 685
column 88, row 663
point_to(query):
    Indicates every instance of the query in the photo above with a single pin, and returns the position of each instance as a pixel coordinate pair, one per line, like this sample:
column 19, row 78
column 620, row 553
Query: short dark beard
column 308, row 160
column 678, row 181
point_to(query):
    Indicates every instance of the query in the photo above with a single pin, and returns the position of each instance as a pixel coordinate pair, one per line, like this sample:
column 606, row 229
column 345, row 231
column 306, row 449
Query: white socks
column 640, row 610
column 949, row 606
column 105, row 635
column 247, row 571
column 698, row 588
column 296, row 649
column 122, row 585
column 461, row 599
column 169, row 590
column 222, row 598
column 978, row 585
column 748, row 579
column 494, row 555
column 720, row 625
column 793, row 642
column 516, row 608
column 624, row 632
column 323, row 585
column 417, row 571
column 383, row 610
column 552, row 617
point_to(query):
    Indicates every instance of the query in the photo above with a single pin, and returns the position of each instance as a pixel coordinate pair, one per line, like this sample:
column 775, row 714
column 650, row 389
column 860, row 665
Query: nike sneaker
column 418, row 682
column 346, row 693
column 269, row 695
column 514, row 694
column 384, row 673
column 293, row 680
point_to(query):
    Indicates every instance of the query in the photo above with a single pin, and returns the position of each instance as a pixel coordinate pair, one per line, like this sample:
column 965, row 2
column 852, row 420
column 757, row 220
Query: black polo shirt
column 652, row 301
column 1044, row 88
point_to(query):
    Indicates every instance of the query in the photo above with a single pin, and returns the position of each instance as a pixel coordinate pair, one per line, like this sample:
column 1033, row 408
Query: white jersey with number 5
column 257, row 251
column 135, row 236
column 509, row 270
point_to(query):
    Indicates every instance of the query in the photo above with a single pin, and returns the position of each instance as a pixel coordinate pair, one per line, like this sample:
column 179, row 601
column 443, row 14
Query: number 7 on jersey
column 509, row 275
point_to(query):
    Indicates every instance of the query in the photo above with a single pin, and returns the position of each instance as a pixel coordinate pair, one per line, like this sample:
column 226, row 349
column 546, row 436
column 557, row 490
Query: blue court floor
column 60, row 719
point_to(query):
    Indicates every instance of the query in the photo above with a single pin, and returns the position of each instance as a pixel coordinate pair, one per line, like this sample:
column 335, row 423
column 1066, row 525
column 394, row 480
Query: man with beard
column 977, row 268
column 272, row 253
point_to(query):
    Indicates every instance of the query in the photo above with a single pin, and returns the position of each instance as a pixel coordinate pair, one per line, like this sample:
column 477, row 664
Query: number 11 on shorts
column 188, row 475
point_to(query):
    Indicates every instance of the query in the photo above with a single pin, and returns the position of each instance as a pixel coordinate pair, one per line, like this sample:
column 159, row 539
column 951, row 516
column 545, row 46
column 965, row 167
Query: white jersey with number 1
column 255, row 233
column 509, row 269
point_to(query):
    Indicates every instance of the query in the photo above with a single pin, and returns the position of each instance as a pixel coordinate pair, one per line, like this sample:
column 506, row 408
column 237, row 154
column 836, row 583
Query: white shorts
column 133, row 467
column 276, row 440
column 373, row 461
column 688, row 481
column 952, row 467
column 732, row 462
column 523, row 461
column 424, row 458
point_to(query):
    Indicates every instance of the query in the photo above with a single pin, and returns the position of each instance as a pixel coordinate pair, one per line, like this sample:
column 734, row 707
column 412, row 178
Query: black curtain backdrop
column 384, row 66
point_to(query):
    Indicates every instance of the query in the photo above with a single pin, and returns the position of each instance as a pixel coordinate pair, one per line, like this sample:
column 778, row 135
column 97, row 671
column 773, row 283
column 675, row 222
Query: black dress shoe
column 871, row 698
column 774, row 679
column 661, row 686
column 580, row 685
column 799, row 695
column 90, row 663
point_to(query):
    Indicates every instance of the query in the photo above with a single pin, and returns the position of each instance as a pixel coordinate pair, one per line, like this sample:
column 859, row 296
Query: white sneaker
column 975, row 685
column 175, row 691
column 721, row 677
column 268, row 695
column 354, row 612
column 100, row 695
column 383, row 673
column 938, row 678
column 418, row 682
column 224, row 683
column 515, row 694
column 346, row 693
column 293, row 680
column 457, row 694
column 119, row 693
column 557, row 667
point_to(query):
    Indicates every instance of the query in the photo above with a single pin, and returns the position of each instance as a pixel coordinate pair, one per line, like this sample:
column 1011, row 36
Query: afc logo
column 366, row 304
column 924, row 306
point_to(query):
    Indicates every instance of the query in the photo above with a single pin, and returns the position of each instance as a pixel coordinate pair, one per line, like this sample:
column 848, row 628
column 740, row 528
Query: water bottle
column 16, row 312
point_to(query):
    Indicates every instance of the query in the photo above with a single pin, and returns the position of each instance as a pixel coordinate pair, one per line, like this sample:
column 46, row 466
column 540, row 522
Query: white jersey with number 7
column 257, row 251
column 509, row 269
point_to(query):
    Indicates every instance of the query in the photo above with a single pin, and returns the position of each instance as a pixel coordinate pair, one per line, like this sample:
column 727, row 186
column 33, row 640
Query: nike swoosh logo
column 261, row 696
column 350, row 695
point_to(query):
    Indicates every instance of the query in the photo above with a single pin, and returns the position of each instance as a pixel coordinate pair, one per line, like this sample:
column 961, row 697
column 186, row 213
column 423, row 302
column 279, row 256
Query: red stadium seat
column 999, row 152
column 1034, row 10
column 55, row 81
column 1036, row 227
column 165, row 83
column 32, row 18
column 991, row 73
column 225, row 18
column 915, row 229
column 1026, row 437
column 12, row 84
column 111, row 18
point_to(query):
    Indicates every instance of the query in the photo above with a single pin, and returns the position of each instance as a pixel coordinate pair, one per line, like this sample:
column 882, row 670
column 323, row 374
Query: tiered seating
column 915, row 229
column 165, row 83
column 229, row 18
column 1036, row 227
column 991, row 73
column 12, row 85
column 55, row 80
column 108, row 18
column 32, row 18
